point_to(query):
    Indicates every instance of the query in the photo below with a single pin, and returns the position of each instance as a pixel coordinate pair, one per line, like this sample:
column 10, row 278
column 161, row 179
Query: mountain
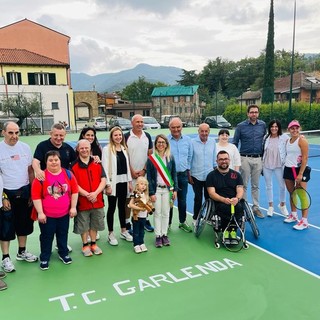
column 111, row 82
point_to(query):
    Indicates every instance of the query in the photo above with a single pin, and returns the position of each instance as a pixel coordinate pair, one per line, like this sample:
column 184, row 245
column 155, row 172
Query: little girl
column 141, row 193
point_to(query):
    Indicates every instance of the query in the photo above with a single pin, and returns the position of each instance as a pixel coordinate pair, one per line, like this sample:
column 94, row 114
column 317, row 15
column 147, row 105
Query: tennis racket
column 300, row 196
column 236, row 242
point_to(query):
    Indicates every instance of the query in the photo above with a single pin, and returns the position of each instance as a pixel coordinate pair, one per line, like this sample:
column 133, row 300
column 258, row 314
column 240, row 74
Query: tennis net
column 313, row 137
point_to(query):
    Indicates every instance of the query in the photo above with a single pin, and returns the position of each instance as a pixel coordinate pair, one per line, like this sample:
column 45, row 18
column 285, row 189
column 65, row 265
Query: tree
column 22, row 107
column 188, row 78
column 140, row 90
column 268, row 79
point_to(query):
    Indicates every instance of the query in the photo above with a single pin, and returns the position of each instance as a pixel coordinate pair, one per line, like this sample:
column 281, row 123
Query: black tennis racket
column 299, row 196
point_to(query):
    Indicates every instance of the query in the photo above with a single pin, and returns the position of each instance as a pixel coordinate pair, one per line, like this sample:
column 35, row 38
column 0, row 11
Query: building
column 35, row 61
column 176, row 100
column 250, row 97
column 305, row 88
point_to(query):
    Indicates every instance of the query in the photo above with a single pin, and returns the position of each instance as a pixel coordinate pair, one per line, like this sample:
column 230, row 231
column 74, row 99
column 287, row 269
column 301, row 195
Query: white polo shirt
column 138, row 148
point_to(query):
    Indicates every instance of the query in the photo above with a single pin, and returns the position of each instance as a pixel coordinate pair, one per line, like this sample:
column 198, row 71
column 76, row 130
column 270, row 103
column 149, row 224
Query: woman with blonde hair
column 115, row 162
column 163, row 183
column 296, row 171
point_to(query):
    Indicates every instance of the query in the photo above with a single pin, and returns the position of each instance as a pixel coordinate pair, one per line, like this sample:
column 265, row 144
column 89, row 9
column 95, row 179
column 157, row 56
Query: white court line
column 280, row 258
column 285, row 260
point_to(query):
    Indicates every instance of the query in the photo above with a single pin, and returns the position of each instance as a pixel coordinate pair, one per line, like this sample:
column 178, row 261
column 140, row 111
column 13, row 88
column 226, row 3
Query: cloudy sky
column 110, row 36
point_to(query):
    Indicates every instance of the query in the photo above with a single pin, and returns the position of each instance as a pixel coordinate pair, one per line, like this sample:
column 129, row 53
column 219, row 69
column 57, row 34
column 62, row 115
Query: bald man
column 181, row 149
column 203, row 161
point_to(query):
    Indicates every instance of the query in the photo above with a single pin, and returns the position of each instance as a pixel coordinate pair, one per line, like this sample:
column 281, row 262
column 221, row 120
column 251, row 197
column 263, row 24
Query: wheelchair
column 235, row 226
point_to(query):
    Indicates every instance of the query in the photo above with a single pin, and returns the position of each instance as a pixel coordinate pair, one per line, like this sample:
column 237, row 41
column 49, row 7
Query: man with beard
column 225, row 187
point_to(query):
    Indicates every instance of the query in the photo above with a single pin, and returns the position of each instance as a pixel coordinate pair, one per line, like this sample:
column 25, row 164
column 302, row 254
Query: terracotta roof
column 299, row 81
column 25, row 57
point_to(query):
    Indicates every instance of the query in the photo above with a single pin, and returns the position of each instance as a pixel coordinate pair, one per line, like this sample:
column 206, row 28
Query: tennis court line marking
column 279, row 214
column 285, row 260
column 280, row 258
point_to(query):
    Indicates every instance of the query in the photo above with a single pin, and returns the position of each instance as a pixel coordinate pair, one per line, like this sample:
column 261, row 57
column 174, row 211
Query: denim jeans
column 138, row 231
column 58, row 227
column 182, row 195
column 199, row 189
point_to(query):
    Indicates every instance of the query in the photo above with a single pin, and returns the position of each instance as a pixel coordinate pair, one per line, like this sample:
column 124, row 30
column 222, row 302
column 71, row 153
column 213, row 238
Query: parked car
column 217, row 122
column 123, row 123
column 165, row 119
column 150, row 123
column 97, row 123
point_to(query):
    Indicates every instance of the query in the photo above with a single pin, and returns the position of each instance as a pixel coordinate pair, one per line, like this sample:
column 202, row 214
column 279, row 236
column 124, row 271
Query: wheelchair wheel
column 203, row 216
column 251, row 219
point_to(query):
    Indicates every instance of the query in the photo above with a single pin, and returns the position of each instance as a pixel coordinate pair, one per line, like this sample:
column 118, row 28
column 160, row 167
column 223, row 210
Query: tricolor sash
column 162, row 169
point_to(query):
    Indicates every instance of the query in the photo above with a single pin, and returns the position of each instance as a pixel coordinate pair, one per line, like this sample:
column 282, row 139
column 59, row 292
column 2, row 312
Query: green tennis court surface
column 190, row 279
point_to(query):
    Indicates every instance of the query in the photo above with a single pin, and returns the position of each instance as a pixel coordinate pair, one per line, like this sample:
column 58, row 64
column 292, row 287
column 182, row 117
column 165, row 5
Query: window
column 42, row 78
column 188, row 98
column 101, row 110
column 14, row 78
column 131, row 114
column 55, row 105
column 119, row 114
column 175, row 99
column 146, row 113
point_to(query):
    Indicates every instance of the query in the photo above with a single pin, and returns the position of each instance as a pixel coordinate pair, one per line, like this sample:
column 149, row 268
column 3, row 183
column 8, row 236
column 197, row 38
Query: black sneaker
column 44, row 265
column 65, row 259
column 148, row 227
column 129, row 228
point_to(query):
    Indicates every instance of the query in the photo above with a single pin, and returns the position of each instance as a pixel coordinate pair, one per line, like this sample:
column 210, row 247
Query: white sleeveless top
column 293, row 157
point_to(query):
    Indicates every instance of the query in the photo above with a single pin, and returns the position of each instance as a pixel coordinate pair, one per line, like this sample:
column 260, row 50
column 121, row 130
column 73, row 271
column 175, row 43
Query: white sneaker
column 26, row 256
column 126, row 236
column 270, row 211
column 291, row 218
column 301, row 225
column 143, row 248
column 137, row 249
column 7, row 265
column 283, row 210
column 112, row 239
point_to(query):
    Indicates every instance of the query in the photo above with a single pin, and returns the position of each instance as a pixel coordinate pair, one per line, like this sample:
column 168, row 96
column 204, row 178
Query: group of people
column 139, row 176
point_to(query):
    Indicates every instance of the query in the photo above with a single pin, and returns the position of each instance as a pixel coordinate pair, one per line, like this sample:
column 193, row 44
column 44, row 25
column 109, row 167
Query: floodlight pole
column 292, row 62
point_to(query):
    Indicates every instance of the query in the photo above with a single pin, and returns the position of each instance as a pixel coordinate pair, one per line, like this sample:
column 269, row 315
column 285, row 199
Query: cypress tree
column 268, row 79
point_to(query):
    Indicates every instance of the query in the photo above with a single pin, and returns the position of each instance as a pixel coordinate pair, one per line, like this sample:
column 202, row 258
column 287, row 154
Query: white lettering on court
column 129, row 287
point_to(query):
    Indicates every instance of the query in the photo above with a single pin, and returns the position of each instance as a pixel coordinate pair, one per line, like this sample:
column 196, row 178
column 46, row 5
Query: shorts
column 89, row 220
column 7, row 231
column 288, row 174
column 19, row 200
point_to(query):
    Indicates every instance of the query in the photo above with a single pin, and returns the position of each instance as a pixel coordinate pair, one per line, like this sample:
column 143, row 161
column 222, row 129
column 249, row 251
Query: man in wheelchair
column 225, row 187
